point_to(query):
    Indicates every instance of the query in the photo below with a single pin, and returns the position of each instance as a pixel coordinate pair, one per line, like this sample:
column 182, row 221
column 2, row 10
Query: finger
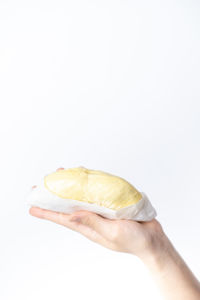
column 64, row 219
column 60, row 169
column 95, row 227
column 34, row 186
column 53, row 216
column 57, row 217
column 101, row 225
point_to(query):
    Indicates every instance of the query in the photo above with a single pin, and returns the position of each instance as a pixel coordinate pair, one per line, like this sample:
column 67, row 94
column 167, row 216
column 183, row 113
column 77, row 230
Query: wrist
column 173, row 277
column 159, row 254
column 169, row 270
column 158, row 251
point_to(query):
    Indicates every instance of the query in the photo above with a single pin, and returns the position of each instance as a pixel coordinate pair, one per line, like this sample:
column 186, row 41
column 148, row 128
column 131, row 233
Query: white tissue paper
column 41, row 197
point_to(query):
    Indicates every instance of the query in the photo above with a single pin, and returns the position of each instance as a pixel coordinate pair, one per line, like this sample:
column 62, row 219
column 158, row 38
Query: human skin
column 146, row 240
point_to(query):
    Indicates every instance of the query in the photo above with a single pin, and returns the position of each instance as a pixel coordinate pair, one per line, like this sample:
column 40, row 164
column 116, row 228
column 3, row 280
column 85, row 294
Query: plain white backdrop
column 109, row 85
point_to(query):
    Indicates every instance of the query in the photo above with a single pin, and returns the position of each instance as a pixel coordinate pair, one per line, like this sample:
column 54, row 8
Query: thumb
column 92, row 220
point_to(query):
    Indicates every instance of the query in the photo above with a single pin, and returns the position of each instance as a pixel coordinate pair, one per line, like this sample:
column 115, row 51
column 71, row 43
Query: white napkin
column 43, row 198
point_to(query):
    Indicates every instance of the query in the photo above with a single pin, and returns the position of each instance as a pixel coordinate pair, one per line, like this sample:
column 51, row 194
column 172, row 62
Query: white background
column 109, row 85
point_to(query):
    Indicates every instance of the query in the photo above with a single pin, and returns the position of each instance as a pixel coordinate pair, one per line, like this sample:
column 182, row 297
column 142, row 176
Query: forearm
column 170, row 272
column 144, row 239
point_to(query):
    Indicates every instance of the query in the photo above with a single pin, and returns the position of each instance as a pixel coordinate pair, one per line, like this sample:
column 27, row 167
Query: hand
column 146, row 240
column 119, row 235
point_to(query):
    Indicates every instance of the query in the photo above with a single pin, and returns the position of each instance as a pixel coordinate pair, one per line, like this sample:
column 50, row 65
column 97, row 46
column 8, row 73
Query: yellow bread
column 92, row 186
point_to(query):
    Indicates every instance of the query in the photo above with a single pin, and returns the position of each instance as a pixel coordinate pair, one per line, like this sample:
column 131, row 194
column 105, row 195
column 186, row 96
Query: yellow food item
column 92, row 186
